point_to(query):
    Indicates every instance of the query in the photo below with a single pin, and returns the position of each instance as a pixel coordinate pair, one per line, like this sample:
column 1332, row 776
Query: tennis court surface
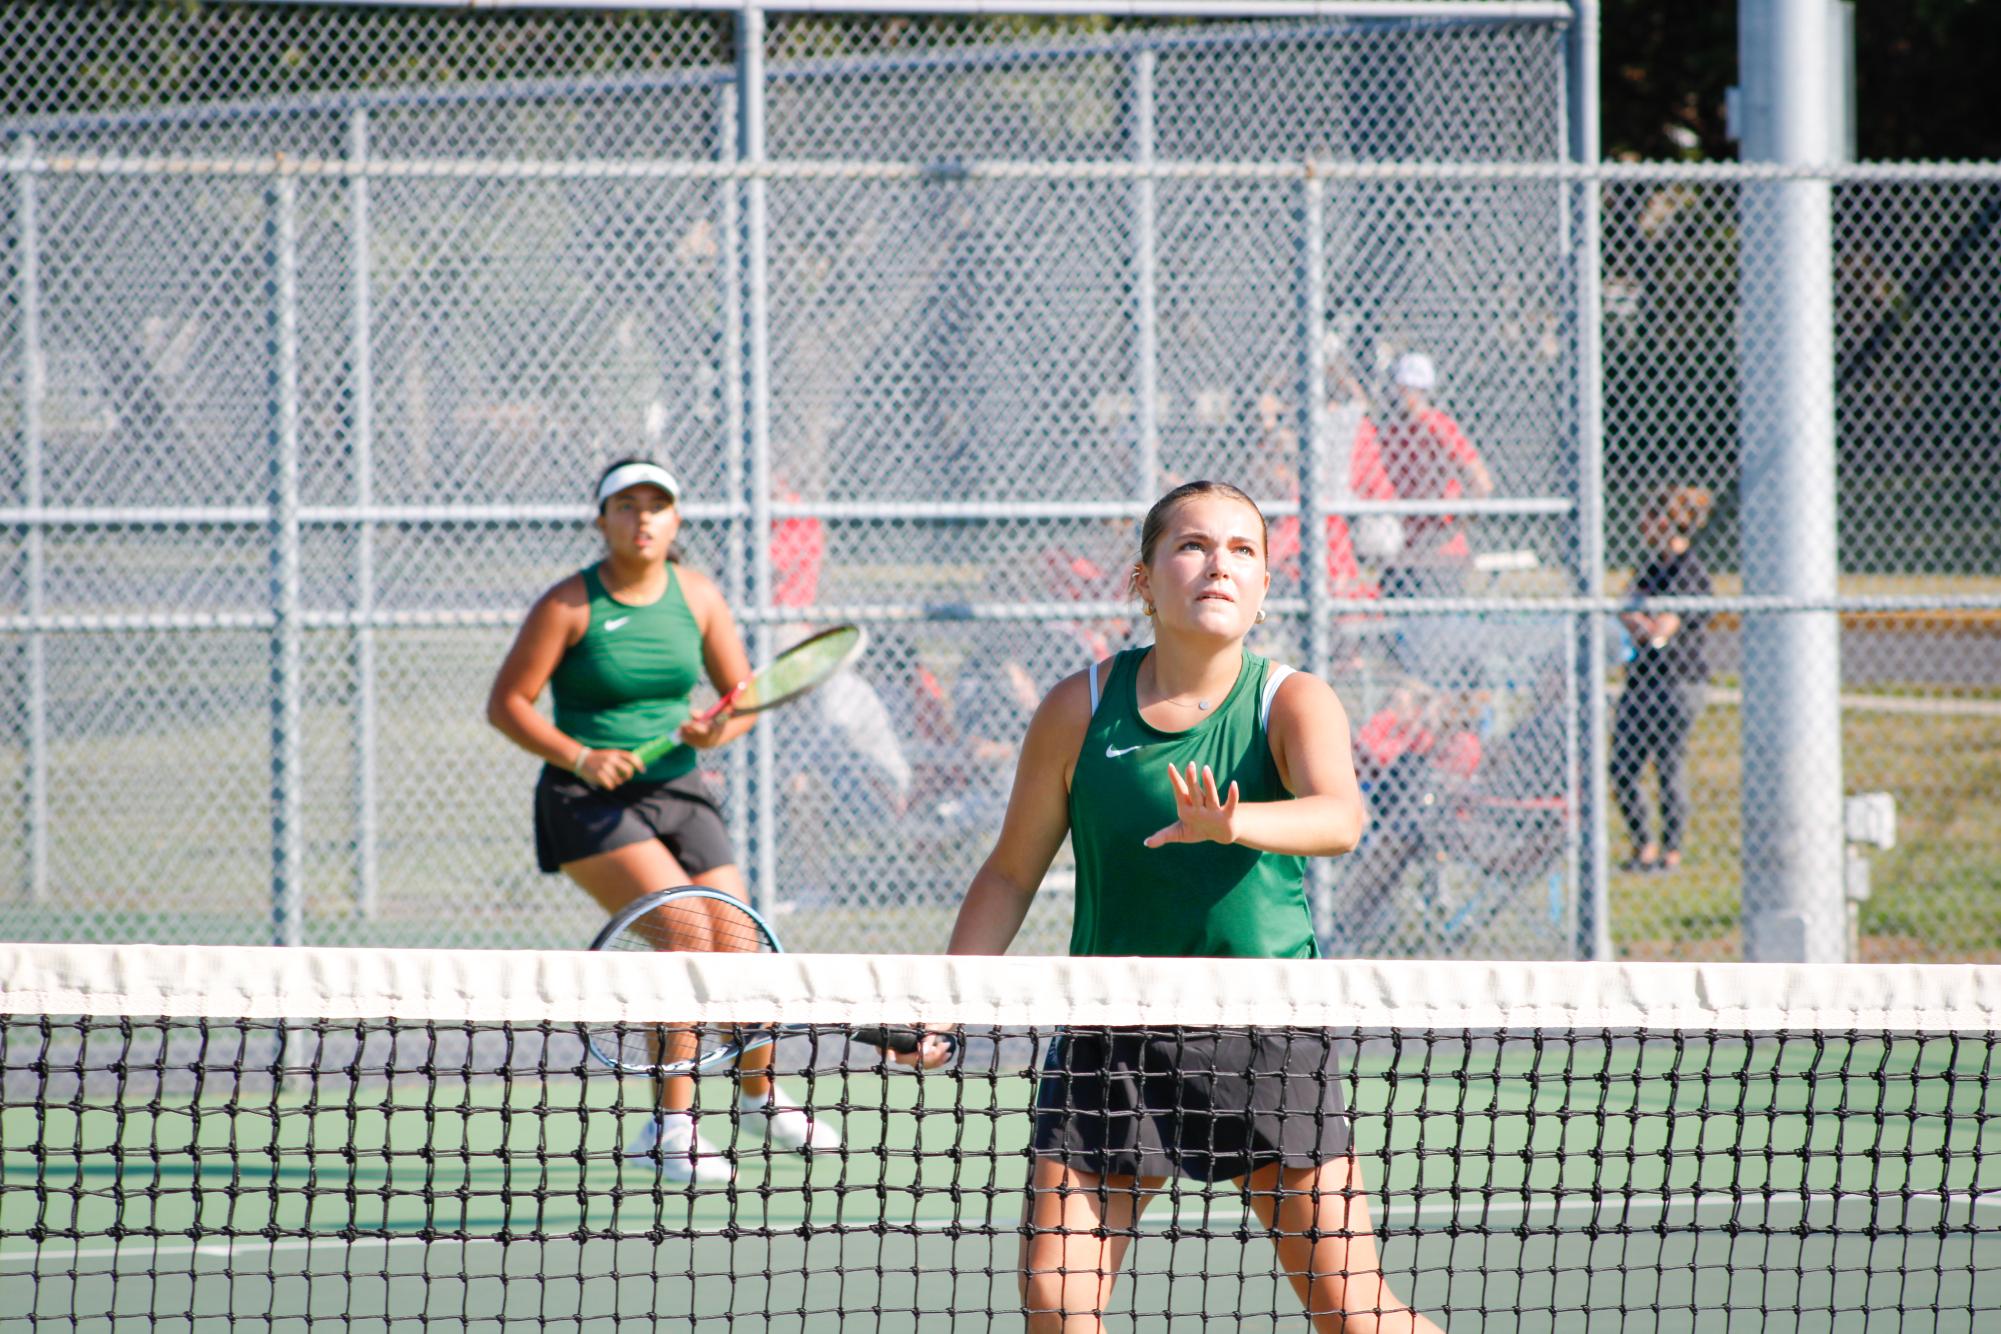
column 373, row 1140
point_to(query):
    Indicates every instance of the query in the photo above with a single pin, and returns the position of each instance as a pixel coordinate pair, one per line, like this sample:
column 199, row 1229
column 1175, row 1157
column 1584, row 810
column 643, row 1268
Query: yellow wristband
column 577, row 765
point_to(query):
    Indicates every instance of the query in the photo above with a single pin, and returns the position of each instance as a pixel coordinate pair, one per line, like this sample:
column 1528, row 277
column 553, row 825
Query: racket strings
column 685, row 922
column 696, row 925
column 807, row 664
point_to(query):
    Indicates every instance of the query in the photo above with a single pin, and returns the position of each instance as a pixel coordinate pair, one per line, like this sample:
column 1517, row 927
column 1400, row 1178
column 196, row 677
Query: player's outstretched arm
column 1309, row 740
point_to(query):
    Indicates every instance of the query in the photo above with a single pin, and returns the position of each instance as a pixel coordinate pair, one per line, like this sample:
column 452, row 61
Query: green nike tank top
column 628, row 680
column 1186, row 899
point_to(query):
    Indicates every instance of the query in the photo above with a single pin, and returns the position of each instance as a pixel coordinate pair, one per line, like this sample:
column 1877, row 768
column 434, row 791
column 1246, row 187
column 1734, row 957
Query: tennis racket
column 689, row 918
column 695, row 917
column 809, row 663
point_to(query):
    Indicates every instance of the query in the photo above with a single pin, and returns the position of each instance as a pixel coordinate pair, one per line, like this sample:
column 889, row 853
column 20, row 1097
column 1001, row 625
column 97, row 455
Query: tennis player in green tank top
column 1193, row 779
column 621, row 644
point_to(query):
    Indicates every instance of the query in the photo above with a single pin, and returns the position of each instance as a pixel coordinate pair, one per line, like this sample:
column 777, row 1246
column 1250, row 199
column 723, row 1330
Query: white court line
column 231, row 1247
column 1468, row 1206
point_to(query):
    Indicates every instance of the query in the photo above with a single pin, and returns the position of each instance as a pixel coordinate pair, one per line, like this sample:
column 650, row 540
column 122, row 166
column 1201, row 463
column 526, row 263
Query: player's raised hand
column 706, row 730
column 933, row 1049
column 608, row 768
column 924, row 1047
column 1205, row 816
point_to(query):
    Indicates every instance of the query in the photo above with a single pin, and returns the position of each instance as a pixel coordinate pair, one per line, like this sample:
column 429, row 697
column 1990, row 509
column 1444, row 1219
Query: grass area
column 1933, row 894
column 1852, row 585
column 184, row 851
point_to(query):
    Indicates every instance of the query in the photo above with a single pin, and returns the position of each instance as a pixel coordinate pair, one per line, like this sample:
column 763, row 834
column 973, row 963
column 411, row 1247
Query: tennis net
column 199, row 1138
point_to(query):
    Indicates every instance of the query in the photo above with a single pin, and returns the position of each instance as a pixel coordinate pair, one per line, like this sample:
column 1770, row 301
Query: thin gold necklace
column 1202, row 704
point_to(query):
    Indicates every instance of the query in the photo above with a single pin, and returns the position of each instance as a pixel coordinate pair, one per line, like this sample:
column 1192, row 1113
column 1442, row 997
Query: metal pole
column 1314, row 422
column 35, row 557
column 1593, row 880
column 361, row 441
column 736, row 480
column 1146, row 332
column 282, row 254
column 757, row 410
column 1791, row 733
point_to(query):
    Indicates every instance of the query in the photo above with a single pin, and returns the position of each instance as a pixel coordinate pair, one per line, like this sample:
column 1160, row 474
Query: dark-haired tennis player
column 1193, row 778
column 621, row 644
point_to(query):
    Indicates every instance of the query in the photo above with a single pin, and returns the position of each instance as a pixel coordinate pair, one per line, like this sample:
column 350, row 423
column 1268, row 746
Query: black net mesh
column 1493, row 1170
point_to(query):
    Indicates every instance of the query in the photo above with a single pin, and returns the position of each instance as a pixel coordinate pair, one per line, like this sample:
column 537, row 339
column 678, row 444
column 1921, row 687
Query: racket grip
column 900, row 1038
column 651, row 751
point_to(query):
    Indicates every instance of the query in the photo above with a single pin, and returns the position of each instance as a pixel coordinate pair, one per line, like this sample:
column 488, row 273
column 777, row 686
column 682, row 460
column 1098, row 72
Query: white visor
column 637, row 474
column 1414, row 370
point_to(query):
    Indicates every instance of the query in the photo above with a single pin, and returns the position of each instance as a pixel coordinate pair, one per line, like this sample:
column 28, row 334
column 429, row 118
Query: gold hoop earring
column 1146, row 607
column 1261, row 616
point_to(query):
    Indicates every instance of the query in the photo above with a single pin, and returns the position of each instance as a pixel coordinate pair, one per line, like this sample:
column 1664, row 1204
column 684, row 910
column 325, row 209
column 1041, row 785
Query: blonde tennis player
column 1193, row 778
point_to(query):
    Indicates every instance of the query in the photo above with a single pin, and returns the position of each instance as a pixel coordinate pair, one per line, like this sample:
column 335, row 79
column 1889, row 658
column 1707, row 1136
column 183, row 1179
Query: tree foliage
column 1924, row 71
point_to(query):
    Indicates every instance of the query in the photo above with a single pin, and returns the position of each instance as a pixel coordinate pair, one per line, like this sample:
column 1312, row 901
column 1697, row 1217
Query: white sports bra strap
column 1279, row 671
column 1094, row 687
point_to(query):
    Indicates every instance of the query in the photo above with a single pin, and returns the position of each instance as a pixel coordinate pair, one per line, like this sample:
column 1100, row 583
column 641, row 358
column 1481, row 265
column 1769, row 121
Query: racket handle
column 900, row 1038
column 651, row 751
column 709, row 714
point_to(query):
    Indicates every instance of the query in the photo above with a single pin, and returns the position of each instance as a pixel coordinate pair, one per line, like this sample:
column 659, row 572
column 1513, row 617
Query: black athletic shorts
column 575, row 820
column 1212, row 1104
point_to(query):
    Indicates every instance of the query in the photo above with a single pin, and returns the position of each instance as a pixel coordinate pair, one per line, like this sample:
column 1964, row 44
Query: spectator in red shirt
column 848, row 704
column 1088, row 566
column 1366, row 481
column 1425, row 455
column 798, row 550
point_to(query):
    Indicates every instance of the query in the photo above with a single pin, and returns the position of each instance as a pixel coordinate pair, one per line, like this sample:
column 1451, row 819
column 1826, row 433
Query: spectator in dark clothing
column 1666, row 681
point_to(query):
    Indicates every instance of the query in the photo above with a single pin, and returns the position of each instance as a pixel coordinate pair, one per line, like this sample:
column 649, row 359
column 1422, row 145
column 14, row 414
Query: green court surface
column 1680, row 1184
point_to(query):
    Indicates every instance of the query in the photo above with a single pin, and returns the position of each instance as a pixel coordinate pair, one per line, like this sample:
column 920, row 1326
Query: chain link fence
column 1914, row 267
column 322, row 318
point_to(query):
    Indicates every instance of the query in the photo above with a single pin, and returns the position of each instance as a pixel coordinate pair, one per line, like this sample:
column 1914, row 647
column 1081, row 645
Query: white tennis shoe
column 783, row 1123
column 679, row 1152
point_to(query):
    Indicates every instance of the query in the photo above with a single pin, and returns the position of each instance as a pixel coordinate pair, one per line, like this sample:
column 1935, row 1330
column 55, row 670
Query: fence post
column 1791, row 730
column 1314, row 423
column 757, row 420
column 1592, row 873
column 34, row 536
column 736, row 484
column 361, row 440
column 1146, row 331
column 282, row 256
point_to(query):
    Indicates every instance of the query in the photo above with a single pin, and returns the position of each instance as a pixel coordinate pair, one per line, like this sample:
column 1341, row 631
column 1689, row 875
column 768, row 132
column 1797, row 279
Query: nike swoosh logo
column 1111, row 754
column 615, row 622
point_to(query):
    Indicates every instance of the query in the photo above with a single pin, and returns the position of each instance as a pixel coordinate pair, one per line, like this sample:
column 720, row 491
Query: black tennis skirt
column 1212, row 1104
column 574, row 820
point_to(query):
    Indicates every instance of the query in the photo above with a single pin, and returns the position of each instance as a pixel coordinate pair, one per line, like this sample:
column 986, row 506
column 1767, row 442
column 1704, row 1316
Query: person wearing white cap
column 1426, row 456
column 621, row 645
